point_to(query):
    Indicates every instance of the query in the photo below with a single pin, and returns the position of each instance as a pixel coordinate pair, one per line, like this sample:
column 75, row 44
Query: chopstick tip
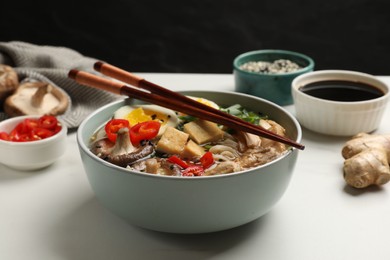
column 73, row 73
column 98, row 65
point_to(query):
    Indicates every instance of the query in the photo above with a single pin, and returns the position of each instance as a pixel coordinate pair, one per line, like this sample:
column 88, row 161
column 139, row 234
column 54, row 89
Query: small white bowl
column 31, row 155
column 339, row 118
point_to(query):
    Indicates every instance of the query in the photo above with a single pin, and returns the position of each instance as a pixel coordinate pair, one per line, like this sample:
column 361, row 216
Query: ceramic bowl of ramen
column 169, row 182
column 339, row 102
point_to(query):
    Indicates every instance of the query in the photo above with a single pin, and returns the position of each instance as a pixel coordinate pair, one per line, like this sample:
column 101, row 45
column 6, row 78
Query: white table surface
column 53, row 214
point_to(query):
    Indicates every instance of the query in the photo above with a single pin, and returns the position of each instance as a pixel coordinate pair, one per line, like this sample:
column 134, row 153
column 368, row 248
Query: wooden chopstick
column 169, row 99
column 134, row 80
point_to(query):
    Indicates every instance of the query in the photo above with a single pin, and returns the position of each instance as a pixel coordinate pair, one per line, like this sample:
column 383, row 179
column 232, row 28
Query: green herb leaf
column 241, row 112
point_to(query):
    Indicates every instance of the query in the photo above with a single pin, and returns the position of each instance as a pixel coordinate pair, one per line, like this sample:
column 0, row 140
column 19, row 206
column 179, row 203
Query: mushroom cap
column 51, row 100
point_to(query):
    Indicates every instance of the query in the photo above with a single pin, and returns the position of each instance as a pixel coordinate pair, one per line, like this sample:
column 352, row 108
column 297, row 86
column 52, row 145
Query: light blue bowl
column 273, row 87
column 190, row 205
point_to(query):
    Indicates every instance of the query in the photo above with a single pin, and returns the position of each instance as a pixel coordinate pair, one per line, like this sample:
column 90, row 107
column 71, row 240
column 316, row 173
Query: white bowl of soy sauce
column 339, row 102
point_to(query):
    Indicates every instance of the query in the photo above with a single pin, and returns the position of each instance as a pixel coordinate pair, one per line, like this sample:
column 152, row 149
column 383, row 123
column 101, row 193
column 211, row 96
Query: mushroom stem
column 37, row 98
column 123, row 144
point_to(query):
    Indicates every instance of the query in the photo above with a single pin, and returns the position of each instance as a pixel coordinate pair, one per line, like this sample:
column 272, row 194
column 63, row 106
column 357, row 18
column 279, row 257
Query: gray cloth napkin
column 52, row 64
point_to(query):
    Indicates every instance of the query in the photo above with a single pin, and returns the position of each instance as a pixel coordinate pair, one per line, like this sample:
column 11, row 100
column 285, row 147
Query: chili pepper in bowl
column 32, row 129
column 30, row 143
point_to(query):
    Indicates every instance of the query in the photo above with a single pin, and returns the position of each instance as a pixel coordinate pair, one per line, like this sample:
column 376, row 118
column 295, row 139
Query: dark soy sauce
column 342, row 90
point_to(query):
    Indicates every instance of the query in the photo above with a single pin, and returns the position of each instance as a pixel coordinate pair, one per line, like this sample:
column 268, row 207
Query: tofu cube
column 192, row 150
column 172, row 141
column 202, row 131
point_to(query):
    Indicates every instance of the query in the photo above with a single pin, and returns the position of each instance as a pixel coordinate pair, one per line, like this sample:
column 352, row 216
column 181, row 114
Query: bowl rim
column 309, row 67
column 19, row 119
column 290, row 150
column 295, row 86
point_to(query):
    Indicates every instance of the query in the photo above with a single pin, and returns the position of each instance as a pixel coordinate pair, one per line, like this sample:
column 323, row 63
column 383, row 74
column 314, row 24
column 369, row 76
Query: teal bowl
column 273, row 87
column 190, row 205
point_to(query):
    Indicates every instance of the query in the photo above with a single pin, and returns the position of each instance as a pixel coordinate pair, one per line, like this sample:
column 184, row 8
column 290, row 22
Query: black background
column 205, row 36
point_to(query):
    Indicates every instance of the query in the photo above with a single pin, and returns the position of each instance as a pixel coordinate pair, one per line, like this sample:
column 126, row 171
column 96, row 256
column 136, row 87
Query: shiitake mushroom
column 9, row 81
column 36, row 98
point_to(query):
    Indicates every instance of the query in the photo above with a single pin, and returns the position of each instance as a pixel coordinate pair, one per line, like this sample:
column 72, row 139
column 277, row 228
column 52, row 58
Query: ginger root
column 367, row 160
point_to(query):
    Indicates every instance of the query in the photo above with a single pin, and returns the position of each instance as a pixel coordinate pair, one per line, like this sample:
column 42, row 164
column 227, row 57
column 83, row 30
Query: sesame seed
column 276, row 67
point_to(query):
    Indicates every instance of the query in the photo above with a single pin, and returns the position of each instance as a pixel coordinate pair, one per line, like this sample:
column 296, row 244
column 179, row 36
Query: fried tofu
column 172, row 141
column 202, row 131
column 192, row 150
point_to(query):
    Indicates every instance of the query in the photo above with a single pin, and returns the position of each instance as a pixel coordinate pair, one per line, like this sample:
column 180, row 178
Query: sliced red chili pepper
column 30, row 123
column 144, row 131
column 207, row 160
column 31, row 129
column 19, row 133
column 47, row 122
column 14, row 135
column 21, row 128
column 57, row 129
column 178, row 161
column 193, row 170
column 25, row 138
column 113, row 126
column 40, row 133
column 4, row 136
